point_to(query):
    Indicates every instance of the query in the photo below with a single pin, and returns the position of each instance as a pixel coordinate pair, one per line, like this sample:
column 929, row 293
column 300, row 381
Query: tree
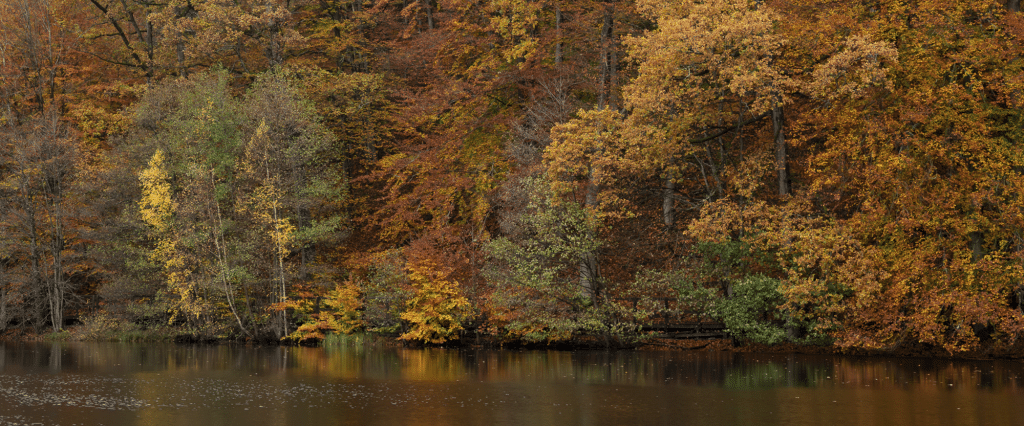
column 41, row 163
column 437, row 308
column 539, row 294
column 232, row 203
column 179, row 36
column 708, row 70
column 34, row 63
column 936, row 141
column 588, row 152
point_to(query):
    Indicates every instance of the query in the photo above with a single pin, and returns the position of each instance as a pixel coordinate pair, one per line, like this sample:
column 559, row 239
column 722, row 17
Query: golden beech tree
column 585, row 160
column 341, row 312
column 337, row 33
column 897, row 234
column 925, row 157
column 43, row 66
column 710, row 68
column 704, row 112
column 898, row 239
column 437, row 310
column 34, row 58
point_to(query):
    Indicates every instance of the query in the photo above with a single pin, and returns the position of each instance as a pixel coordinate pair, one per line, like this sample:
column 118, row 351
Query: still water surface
column 154, row 384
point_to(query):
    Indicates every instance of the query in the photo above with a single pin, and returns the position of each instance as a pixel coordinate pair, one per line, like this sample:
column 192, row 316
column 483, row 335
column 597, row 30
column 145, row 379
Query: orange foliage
column 893, row 129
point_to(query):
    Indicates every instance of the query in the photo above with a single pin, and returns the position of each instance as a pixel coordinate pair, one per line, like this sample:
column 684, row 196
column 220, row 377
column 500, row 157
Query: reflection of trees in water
column 357, row 359
column 726, row 369
column 929, row 373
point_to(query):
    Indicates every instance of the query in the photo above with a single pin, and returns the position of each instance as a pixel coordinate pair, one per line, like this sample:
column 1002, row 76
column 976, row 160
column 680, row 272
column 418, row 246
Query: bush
column 437, row 309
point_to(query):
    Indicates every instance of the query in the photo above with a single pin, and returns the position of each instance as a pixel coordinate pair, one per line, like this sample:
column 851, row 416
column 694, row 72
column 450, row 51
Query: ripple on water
column 113, row 393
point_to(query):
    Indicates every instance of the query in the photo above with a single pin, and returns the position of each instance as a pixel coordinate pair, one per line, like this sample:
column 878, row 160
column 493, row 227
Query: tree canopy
column 800, row 171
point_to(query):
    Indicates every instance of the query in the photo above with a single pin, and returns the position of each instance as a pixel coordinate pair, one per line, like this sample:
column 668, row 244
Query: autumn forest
column 838, row 174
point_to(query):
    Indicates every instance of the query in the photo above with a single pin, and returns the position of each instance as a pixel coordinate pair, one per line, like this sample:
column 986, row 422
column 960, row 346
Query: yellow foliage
column 515, row 23
column 157, row 208
column 265, row 202
column 704, row 51
column 340, row 313
column 438, row 308
column 855, row 69
column 591, row 149
column 156, row 205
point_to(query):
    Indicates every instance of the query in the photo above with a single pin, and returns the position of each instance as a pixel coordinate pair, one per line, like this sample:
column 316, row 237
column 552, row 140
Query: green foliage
column 58, row 336
column 696, row 298
column 724, row 260
column 756, row 312
column 752, row 313
column 892, row 128
column 338, row 340
column 535, row 273
column 232, row 195
column 724, row 285
column 386, row 292
column 537, row 295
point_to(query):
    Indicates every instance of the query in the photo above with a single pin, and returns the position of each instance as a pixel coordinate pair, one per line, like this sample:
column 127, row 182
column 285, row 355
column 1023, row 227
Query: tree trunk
column 179, row 50
column 780, row 149
column 668, row 211
column 279, row 252
column 220, row 246
column 588, row 262
column 4, row 315
column 603, row 85
column 613, row 60
column 282, row 285
column 36, row 281
column 36, row 278
column 977, row 251
column 430, row 14
column 56, row 293
column 5, row 296
column 274, row 44
column 558, row 33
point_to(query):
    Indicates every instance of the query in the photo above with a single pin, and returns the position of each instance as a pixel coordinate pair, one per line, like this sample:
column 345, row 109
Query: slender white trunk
column 220, row 247
column 282, row 284
column 56, row 295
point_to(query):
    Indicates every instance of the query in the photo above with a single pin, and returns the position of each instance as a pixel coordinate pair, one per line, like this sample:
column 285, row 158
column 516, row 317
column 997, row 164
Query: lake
column 84, row 383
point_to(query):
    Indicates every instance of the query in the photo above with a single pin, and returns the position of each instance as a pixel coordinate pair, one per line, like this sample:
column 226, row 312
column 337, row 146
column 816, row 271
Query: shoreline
column 652, row 344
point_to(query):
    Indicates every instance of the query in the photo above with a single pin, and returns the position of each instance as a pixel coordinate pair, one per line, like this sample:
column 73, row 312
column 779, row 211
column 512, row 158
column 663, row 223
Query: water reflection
column 150, row 384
